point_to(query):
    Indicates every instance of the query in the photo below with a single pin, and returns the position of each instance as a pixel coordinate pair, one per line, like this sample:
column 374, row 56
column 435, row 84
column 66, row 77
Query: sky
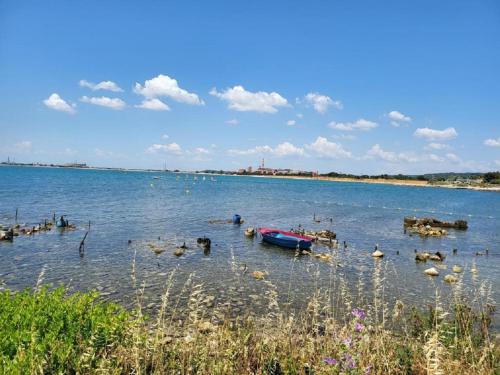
column 348, row 86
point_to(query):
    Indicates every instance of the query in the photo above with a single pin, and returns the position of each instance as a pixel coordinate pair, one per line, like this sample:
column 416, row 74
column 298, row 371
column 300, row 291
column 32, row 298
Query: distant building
column 75, row 165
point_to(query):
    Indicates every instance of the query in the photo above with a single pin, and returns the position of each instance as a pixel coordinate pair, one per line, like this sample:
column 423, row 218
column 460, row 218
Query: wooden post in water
column 16, row 214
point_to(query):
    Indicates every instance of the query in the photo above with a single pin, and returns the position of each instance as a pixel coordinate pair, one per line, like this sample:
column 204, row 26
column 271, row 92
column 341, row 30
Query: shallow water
column 124, row 206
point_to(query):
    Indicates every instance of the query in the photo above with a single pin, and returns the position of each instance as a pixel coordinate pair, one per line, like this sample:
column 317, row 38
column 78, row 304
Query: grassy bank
column 46, row 332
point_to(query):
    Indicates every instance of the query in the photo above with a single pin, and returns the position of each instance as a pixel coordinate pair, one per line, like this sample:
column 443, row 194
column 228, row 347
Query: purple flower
column 347, row 342
column 330, row 361
column 359, row 313
column 351, row 365
column 368, row 370
column 359, row 327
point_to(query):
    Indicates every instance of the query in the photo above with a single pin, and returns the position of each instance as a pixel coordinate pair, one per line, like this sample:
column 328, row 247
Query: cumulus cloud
column 300, row 115
column 291, row 122
column 321, row 103
column 104, row 101
column 492, row 142
column 165, row 136
column 170, row 148
column 434, row 134
column 283, row 149
column 163, row 85
column 398, row 116
column 239, row 99
column 153, row 105
column 201, row 151
column 103, row 85
column 361, row 124
column 232, row 122
column 57, row 103
column 436, row 146
column 452, row 157
column 322, row 147
column 378, row 152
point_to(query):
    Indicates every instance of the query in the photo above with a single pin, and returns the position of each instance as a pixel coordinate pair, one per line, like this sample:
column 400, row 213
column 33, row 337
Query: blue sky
column 360, row 87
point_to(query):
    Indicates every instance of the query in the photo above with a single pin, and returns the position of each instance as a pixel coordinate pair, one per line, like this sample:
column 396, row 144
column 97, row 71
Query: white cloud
column 57, row 103
column 242, row 100
column 322, row 147
column 104, row 85
column 232, row 122
column 104, row 101
column 201, row 151
column 433, row 134
column 300, row 115
column 378, row 152
column 492, row 142
column 436, row 146
column 23, row 146
column 165, row 136
column 283, row 149
column 347, row 137
column 321, row 103
column 452, row 157
column 361, row 124
column 436, row 158
column 163, row 85
column 291, row 122
column 398, row 116
column 153, row 105
column 171, row 148
column 497, row 162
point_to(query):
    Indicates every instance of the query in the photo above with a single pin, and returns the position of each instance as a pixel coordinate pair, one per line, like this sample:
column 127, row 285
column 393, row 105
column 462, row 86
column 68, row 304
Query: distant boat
column 289, row 240
column 156, row 177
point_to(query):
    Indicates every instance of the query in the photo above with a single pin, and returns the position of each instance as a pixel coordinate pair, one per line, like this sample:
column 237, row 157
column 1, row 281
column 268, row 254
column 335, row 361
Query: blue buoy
column 236, row 219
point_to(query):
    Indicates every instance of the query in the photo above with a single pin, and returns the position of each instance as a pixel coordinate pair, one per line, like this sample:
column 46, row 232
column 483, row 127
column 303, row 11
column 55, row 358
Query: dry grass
column 341, row 330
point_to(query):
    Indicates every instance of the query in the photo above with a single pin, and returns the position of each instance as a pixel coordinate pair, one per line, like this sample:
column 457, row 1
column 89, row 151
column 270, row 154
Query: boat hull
column 288, row 240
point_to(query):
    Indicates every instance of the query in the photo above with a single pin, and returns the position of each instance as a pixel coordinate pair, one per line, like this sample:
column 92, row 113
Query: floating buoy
column 450, row 279
column 249, row 232
column 456, row 269
column 431, row 271
column 377, row 254
column 473, row 269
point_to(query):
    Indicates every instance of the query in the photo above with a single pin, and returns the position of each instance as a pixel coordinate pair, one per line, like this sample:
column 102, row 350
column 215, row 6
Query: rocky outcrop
column 434, row 223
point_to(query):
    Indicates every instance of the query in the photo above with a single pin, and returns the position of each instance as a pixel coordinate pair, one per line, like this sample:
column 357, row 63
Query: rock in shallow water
column 431, row 271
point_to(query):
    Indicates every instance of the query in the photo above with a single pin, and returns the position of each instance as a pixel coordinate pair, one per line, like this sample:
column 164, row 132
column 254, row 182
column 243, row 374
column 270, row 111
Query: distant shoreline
column 383, row 181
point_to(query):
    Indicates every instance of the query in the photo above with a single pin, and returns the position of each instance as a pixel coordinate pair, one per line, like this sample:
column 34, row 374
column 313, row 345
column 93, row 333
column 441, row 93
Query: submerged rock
column 249, row 232
column 259, row 275
column 179, row 252
column 450, row 279
column 422, row 257
column 431, row 271
column 456, row 269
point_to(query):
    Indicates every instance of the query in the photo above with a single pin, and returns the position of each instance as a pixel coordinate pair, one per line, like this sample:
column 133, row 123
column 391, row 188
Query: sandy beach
column 389, row 181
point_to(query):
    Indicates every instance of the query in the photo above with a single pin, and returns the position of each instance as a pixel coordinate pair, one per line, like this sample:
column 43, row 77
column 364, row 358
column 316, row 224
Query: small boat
column 289, row 240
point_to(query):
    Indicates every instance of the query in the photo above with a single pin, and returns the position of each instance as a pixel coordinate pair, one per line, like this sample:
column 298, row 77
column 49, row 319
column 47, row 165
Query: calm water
column 177, row 208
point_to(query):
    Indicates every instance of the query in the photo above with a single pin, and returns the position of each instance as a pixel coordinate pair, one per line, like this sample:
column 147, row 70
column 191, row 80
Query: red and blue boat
column 289, row 240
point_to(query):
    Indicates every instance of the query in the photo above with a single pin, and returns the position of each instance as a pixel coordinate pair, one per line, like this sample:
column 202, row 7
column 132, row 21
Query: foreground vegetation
column 47, row 331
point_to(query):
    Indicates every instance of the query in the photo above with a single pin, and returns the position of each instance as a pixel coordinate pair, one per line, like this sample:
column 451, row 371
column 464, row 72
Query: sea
column 127, row 213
